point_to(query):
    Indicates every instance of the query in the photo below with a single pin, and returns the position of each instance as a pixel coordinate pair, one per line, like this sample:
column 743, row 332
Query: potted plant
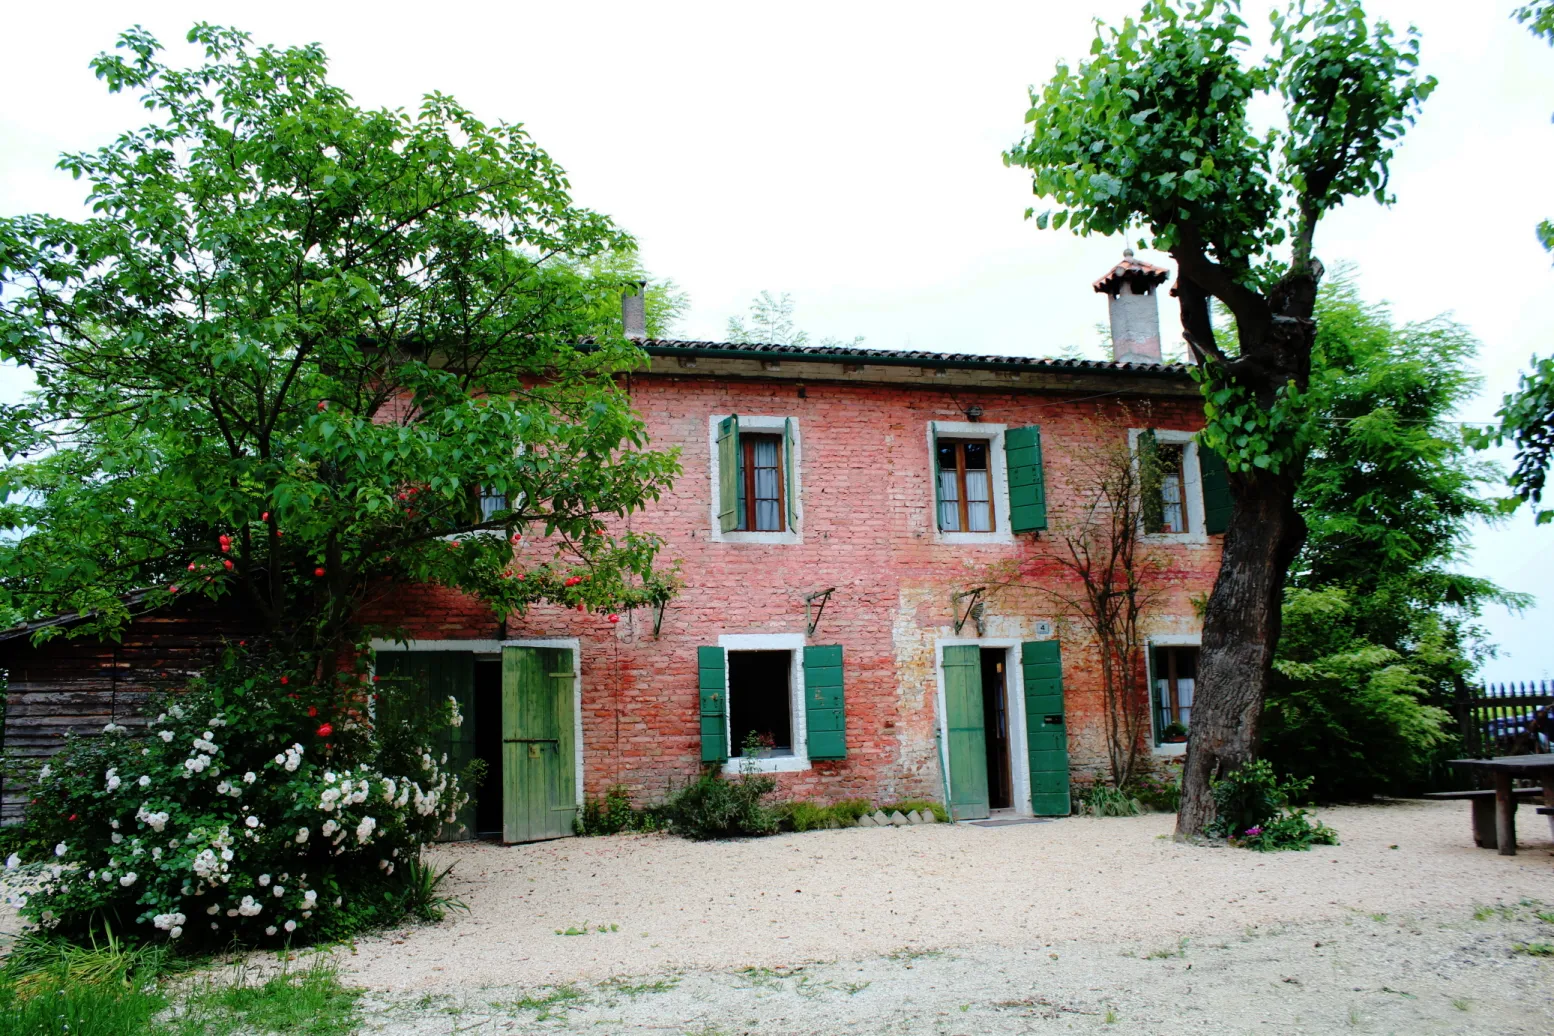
column 1175, row 733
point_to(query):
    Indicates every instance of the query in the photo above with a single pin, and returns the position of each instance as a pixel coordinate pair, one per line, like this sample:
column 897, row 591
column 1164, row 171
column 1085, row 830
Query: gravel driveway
column 1078, row 922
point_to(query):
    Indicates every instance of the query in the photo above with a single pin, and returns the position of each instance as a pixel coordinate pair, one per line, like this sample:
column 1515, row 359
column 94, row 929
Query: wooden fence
column 1504, row 718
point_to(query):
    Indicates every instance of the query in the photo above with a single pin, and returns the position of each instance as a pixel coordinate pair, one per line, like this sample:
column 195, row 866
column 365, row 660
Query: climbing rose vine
column 236, row 814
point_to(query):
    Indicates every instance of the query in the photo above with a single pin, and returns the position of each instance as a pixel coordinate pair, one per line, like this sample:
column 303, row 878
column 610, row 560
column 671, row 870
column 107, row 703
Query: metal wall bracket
column 822, row 596
column 658, row 618
column 975, row 598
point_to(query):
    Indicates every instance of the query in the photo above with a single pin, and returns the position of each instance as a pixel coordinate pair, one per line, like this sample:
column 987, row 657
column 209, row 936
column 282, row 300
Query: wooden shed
column 80, row 684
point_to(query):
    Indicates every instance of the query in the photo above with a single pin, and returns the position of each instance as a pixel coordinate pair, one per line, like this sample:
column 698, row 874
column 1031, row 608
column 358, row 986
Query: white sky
column 849, row 154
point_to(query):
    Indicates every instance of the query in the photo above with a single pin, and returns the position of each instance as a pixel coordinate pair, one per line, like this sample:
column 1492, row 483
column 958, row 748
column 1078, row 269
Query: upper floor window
column 1183, row 487
column 1169, row 485
column 755, row 486
column 965, row 485
column 759, row 481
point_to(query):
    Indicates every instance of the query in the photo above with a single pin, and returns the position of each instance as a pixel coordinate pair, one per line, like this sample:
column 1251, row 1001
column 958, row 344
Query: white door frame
column 1014, row 692
column 488, row 647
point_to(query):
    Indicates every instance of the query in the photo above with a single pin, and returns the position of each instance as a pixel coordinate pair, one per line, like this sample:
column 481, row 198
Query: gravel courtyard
column 1072, row 924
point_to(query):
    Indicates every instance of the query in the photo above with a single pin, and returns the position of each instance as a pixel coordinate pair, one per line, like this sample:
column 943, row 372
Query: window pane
column 768, row 516
column 976, row 456
column 1173, row 512
column 760, row 701
column 949, row 502
column 1184, row 686
column 979, row 511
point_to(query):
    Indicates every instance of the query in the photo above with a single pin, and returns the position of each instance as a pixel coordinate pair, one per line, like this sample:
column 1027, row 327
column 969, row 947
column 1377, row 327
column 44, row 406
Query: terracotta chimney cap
column 1140, row 273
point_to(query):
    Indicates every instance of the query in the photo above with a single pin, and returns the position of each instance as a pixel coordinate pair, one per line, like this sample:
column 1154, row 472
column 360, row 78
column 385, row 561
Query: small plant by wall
column 1254, row 810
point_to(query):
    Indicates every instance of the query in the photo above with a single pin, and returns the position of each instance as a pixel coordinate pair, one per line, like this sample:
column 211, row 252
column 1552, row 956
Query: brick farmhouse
column 840, row 517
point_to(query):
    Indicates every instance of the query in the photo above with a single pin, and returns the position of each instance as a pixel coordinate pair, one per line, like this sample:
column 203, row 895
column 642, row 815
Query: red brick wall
column 868, row 530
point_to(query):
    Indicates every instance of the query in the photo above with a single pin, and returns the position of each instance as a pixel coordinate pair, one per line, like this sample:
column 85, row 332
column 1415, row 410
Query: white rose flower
column 165, row 735
column 232, row 912
column 279, row 891
column 329, row 828
column 364, row 829
column 177, row 930
column 156, row 852
column 309, row 898
column 12, row 862
column 128, row 879
column 213, row 909
column 270, row 930
column 250, row 777
column 226, row 854
column 291, row 926
column 144, row 782
column 264, row 879
column 249, row 907
column 43, row 774
column 302, row 835
column 252, row 821
column 116, row 838
column 59, row 850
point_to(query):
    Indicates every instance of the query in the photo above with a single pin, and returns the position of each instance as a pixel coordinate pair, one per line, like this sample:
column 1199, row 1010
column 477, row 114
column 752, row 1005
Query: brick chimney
column 1135, row 311
column 633, row 316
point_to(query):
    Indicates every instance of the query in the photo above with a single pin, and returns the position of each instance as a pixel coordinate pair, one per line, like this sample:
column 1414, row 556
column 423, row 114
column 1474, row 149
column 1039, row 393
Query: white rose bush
column 250, row 809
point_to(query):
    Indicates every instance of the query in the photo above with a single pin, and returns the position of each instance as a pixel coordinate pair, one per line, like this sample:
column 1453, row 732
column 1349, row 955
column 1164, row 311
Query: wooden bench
column 1483, row 802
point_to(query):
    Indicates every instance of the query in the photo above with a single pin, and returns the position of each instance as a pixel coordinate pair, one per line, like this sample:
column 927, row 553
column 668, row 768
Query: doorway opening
column 760, row 701
column 487, row 721
column 995, row 718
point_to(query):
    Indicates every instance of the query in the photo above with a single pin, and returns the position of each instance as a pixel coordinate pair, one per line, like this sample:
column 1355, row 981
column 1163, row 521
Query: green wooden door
column 412, row 684
column 967, row 741
column 539, row 783
column 1046, row 733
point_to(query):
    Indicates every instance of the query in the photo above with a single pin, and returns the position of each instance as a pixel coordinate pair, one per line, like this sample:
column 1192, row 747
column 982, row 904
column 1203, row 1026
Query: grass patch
column 1534, row 949
column 545, row 1005
column 307, row 1003
column 621, row 986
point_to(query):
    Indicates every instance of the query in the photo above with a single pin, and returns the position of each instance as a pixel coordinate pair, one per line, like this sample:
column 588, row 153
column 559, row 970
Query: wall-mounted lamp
column 973, row 413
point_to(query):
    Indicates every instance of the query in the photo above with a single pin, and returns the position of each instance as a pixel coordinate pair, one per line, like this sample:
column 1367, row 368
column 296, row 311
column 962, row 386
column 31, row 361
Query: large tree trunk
column 1240, row 633
column 1241, row 623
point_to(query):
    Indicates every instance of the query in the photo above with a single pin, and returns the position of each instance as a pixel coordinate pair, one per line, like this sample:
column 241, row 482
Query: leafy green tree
column 1526, row 416
column 771, row 322
column 1152, row 132
column 1377, row 626
column 302, row 352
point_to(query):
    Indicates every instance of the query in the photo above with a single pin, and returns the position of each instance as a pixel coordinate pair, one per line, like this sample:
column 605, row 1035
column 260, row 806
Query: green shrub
column 1103, row 800
column 1159, row 790
column 255, row 808
column 1254, row 810
column 803, row 816
column 714, row 807
column 848, row 811
column 614, row 814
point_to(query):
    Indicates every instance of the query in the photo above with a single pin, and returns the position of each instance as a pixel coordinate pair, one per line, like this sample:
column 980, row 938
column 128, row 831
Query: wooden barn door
column 539, row 782
column 967, row 740
column 1046, row 733
column 423, row 681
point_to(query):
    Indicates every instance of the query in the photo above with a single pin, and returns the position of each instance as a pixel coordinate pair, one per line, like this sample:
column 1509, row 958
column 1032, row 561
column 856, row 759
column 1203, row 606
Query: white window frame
column 494, row 647
column 998, row 468
column 794, row 530
column 1014, row 690
column 794, row 644
column 1192, row 640
column 1192, row 484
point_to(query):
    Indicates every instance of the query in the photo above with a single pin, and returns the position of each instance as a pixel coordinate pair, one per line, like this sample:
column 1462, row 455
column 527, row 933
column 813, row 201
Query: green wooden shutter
column 825, row 711
column 1027, row 484
column 1151, row 503
column 712, row 669
column 790, row 490
column 1215, row 483
column 933, row 466
column 728, row 473
column 965, row 725
column 419, row 684
column 1046, row 733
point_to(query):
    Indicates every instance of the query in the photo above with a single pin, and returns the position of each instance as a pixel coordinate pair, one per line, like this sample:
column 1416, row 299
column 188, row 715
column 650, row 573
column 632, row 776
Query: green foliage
column 771, row 323
column 297, row 341
column 614, row 814
column 906, row 806
column 423, row 897
column 1377, row 627
column 308, row 1003
column 804, row 816
column 1253, row 809
column 849, row 811
column 1103, row 800
column 105, row 989
column 243, row 814
column 1159, row 789
column 715, row 807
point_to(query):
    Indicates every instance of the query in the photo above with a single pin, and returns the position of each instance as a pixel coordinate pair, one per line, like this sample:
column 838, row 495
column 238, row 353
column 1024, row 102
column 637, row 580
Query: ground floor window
column 1175, row 671
column 760, row 702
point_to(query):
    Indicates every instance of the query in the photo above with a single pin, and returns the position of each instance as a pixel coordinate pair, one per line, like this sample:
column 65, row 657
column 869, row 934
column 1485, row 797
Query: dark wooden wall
column 79, row 685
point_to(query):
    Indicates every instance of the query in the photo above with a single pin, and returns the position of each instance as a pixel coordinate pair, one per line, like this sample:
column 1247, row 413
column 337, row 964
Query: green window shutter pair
column 1027, row 482
column 1215, row 483
column 1046, row 732
column 728, row 473
column 825, row 710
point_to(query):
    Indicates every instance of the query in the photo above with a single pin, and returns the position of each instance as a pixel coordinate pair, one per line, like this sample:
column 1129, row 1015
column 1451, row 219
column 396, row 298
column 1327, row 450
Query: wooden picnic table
column 1505, row 771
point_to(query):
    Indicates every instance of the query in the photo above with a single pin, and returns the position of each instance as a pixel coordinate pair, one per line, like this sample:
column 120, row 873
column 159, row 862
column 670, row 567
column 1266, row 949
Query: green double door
column 535, row 774
column 1046, row 733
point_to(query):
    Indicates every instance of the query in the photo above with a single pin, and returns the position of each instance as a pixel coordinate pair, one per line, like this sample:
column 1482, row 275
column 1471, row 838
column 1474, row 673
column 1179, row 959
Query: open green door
column 417, row 683
column 1046, row 733
column 539, row 780
column 967, row 741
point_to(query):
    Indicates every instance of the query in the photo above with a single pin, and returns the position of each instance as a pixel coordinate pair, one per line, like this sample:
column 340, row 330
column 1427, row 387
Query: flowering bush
column 254, row 808
column 1254, row 811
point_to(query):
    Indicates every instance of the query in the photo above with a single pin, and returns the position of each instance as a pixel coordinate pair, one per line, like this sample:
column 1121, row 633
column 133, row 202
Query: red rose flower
column 615, row 618
column 265, row 517
column 285, row 679
column 227, row 563
column 322, row 405
column 324, row 730
column 319, row 572
column 191, row 566
column 312, row 711
column 173, row 588
column 72, row 816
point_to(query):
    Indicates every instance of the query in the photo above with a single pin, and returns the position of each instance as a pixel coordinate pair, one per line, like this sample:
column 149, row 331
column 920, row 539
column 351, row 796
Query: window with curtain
column 1173, row 499
column 965, row 486
column 761, row 489
column 1176, row 677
